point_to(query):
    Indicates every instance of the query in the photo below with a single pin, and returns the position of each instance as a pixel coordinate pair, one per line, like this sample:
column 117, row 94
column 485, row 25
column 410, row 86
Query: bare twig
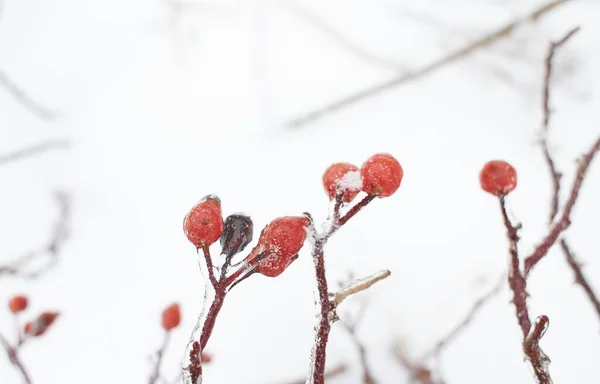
column 350, row 327
column 60, row 233
column 344, row 42
column 465, row 321
column 24, row 99
column 14, row 359
column 418, row 372
column 159, row 357
column 579, row 277
column 454, row 56
column 33, row 150
column 555, row 174
column 565, row 220
column 539, row 360
column 359, row 285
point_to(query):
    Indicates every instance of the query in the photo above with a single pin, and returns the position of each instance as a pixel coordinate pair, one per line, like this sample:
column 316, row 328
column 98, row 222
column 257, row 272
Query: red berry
column 18, row 304
column 204, row 224
column 206, row 357
column 381, row 174
column 281, row 241
column 498, row 178
column 342, row 177
column 38, row 326
column 171, row 317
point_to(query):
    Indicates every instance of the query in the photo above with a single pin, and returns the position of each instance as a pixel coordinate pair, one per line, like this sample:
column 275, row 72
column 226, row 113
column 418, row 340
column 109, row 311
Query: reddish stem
column 211, row 318
column 539, row 360
column 14, row 359
column 317, row 370
column 516, row 280
column 579, row 277
column 159, row 356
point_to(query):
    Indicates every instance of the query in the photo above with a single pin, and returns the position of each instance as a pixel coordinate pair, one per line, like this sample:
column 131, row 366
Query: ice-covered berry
column 381, row 175
column 203, row 225
column 498, row 178
column 237, row 234
column 41, row 324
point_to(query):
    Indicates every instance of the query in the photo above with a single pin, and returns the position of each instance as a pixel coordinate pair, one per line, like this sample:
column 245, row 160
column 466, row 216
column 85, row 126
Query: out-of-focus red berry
column 381, row 174
column 206, row 357
column 280, row 241
column 171, row 317
column 40, row 325
column 337, row 178
column 203, row 225
column 498, row 178
column 17, row 304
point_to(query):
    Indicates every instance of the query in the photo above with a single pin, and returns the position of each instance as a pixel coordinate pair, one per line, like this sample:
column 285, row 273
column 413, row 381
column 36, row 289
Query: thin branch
column 579, row 276
column 565, row 219
column 454, row 56
column 159, row 357
column 60, row 233
column 465, row 321
column 350, row 327
column 209, row 265
column 34, row 150
column 14, row 359
column 24, row 99
column 359, row 285
column 345, row 42
column 516, row 280
column 556, row 175
column 418, row 372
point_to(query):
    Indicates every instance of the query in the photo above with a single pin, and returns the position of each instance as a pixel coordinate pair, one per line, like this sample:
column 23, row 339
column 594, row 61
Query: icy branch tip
column 360, row 285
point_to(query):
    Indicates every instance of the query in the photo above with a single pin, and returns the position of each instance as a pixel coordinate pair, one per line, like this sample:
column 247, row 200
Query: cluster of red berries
column 380, row 175
column 281, row 240
column 498, row 178
column 278, row 244
column 39, row 325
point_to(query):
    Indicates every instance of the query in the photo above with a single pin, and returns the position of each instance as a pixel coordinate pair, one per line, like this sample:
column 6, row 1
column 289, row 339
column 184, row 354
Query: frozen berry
column 237, row 234
column 203, row 225
column 498, row 178
column 273, row 266
column 17, row 304
column 171, row 317
column 342, row 178
column 38, row 326
column 381, row 174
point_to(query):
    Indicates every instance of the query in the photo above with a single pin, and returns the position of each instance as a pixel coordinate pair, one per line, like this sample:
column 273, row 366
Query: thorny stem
column 565, row 219
column 539, row 360
column 579, row 277
column 317, row 369
column 12, row 353
column 326, row 314
column 206, row 322
column 159, row 357
column 516, row 280
column 555, row 174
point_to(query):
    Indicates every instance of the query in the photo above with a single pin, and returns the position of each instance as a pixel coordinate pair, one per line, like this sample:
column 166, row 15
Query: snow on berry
column 17, row 304
column 203, row 225
column 498, row 178
column 171, row 317
column 342, row 178
column 381, row 175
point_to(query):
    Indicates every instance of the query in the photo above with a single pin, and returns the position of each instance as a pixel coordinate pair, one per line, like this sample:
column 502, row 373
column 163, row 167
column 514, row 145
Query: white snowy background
column 162, row 108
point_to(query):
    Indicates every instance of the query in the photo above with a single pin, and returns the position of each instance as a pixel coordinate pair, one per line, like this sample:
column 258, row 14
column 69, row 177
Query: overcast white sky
column 163, row 108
